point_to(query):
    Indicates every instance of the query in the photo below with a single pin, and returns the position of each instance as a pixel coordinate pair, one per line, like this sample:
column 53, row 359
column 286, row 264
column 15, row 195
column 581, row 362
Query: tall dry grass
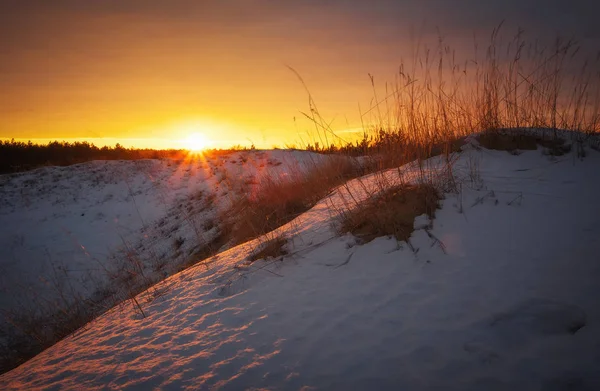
column 519, row 87
column 277, row 199
column 438, row 97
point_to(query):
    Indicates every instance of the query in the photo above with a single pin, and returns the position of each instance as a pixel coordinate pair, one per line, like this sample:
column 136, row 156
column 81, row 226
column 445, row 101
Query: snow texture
column 501, row 294
column 70, row 230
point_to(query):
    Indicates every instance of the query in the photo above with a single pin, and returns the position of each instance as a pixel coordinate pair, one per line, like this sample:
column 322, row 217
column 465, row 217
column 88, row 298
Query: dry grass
column 554, row 146
column 279, row 199
column 513, row 141
column 508, row 142
column 208, row 248
column 273, row 248
column 391, row 213
column 439, row 97
column 29, row 331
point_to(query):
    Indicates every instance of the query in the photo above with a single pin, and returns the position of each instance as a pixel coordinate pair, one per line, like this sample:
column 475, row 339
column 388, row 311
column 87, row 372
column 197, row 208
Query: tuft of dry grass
column 514, row 140
column 508, row 142
column 208, row 248
column 555, row 146
column 391, row 212
column 273, row 248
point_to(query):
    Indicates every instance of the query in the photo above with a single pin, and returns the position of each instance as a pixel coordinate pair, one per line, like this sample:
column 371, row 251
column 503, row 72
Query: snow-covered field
column 73, row 230
column 501, row 294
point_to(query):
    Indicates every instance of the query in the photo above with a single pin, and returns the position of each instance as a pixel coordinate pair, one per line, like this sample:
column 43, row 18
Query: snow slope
column 65, row 230
column 501, row 294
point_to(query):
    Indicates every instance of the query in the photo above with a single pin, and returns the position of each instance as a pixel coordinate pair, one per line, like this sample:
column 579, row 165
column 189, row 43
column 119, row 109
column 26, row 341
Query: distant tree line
column 372, row 142
column 18, row 156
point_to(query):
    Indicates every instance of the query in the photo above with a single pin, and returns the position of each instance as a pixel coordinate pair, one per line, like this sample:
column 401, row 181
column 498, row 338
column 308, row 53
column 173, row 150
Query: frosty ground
column 500, row 293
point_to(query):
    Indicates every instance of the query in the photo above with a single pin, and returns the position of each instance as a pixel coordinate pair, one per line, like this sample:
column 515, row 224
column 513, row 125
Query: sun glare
column 196, row 142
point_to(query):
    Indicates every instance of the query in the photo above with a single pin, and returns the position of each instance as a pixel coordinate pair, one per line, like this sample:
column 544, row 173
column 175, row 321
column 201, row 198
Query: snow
column 501, row 293
column 70, row 230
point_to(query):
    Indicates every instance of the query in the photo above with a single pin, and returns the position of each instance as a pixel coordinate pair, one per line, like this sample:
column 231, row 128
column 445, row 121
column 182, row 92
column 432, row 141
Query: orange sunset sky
column 150, row 73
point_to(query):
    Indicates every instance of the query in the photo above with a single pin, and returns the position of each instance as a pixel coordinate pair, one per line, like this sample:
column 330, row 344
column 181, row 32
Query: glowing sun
column 196, row 142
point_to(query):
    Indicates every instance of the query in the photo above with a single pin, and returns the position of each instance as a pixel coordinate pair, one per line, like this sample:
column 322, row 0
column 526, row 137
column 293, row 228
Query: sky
column 149, row 73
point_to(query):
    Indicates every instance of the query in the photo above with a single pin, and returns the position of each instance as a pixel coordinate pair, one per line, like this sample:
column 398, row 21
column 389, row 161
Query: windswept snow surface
column 501, row 294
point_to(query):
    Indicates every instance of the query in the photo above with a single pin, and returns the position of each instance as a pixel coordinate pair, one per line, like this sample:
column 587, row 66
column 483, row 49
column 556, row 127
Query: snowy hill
column 79, row 217
column 96, row 231
column 501, row 293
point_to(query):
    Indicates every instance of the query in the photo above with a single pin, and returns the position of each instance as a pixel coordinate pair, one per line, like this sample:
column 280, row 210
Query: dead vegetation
column 507, row 142
column 278, row 199
column 272, row 248
column 207, row 249
column 517, row 94
column 514, row 141
column 27, row 331
column 390, row 213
